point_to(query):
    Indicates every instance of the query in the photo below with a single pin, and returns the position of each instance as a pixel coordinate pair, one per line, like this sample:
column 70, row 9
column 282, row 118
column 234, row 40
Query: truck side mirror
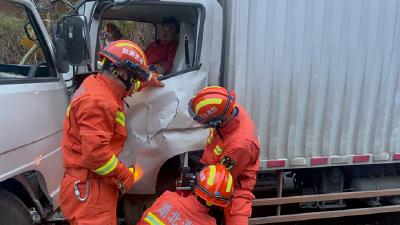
column 71, row 40
column 61, row 55
column 59, row 45
column 76, row 37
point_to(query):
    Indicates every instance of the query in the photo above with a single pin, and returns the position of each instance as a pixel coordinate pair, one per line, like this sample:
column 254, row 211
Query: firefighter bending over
column 95, row 132
column 213, row 188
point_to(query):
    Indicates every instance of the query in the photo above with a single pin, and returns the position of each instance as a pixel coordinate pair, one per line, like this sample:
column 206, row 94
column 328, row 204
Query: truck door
column 32, row 97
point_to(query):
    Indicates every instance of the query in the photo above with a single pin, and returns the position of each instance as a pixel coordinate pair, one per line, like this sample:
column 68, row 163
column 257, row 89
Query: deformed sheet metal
column 160, row 127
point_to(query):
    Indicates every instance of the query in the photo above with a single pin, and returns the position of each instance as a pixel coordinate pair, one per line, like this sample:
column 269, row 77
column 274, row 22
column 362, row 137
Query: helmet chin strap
column 116, row 73
column 213, row 124
column 219, row 133
column 128, row 84
column 216, row 123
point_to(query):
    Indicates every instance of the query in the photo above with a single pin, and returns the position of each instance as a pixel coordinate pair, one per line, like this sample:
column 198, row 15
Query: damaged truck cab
column 160, row 129
column 159, row 125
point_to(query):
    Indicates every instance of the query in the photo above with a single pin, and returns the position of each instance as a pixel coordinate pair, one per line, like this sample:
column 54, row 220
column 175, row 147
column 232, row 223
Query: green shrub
column 11, row 32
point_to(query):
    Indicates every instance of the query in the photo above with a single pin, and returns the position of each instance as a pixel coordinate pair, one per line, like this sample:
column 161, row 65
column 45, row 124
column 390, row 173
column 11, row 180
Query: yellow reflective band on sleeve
column 229, row 185
column 152, row 219
column 68, row 109
column 211, row 178
column 108, row 167
column 137, row 86
column 120, row 118
column 210, row 136
column 207, row 102
column 218, row 150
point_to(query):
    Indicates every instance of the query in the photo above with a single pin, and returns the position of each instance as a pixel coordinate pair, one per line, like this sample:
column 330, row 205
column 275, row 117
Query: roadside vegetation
column 138, row 32
column 11, row 50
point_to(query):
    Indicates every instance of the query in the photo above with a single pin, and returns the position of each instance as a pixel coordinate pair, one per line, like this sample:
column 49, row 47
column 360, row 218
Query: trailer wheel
column 12, row 210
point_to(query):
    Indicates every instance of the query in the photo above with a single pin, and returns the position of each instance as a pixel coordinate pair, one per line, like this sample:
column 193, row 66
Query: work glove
column 154, row 82
column 127, row 183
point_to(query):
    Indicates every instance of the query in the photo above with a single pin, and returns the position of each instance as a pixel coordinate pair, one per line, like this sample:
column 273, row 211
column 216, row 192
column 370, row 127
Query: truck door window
column 147, row 25
column 21, row 54
column 141, row 33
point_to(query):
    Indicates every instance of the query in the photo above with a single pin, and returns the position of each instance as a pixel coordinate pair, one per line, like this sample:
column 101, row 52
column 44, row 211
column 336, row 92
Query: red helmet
column 211, row 105
column 127, row 55
column 214, row 184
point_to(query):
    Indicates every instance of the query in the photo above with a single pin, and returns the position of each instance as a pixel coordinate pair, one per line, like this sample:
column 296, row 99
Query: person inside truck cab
column 161, row 53
column 112, row 33
column 233, row 142
column 212, row 190
column 94, row 134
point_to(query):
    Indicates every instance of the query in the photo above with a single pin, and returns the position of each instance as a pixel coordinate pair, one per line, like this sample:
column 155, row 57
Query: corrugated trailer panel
column 319, row 77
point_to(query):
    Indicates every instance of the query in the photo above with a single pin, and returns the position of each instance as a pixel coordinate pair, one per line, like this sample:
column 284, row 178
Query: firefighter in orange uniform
column 94, row 134
column 233, row 142
column 214, row 186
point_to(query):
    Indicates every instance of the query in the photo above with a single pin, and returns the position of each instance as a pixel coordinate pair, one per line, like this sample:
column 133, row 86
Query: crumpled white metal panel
column 319, row 77
column 160, row 127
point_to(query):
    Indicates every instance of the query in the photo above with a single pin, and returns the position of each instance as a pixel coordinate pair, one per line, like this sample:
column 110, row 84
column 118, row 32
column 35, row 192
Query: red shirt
column 173, row 209
column 238, row 150
column 163, row 54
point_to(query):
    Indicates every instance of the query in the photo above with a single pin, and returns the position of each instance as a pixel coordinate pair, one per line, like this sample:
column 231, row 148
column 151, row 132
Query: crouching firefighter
column 213, row 188
column 94, row 134
column 233, row 142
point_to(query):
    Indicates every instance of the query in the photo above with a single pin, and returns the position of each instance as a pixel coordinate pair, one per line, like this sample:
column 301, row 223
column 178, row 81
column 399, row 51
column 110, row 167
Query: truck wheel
column 12, row 210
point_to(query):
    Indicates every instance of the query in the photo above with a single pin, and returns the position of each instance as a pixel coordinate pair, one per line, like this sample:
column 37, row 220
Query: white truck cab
column 34, row 98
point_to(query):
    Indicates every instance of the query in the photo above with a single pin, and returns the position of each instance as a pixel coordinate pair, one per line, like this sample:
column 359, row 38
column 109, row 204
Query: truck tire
column 12, row 210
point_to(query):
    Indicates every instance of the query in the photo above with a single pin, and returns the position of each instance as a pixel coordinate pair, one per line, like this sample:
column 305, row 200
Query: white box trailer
column 319, row 78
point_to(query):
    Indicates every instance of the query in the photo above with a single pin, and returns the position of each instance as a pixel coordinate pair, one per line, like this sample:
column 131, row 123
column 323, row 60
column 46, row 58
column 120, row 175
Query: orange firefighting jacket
column 94, row 129
column 239, row 151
